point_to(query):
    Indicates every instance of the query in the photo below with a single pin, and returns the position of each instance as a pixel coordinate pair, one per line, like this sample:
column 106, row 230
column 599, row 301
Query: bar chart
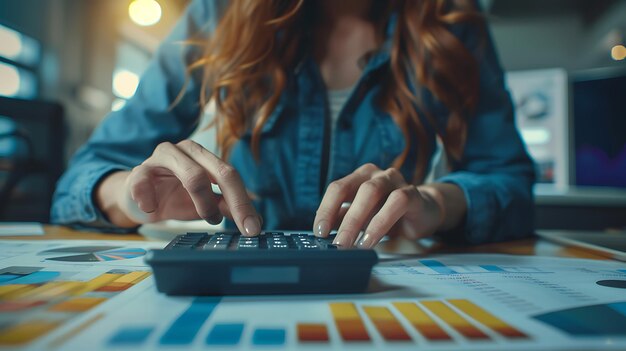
column 432, row 266
column 24, row 290
column 440, row 321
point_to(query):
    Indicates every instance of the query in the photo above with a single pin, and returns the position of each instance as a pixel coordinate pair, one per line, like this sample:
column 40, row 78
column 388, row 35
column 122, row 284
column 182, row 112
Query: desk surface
column 533, row 246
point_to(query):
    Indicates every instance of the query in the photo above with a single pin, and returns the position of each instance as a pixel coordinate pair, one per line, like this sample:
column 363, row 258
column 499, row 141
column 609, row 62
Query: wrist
column 108, row 195
column 435, row 204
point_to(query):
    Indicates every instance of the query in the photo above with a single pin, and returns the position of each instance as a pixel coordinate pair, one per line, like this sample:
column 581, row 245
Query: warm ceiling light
column 125, row 84
column 144, row 12
column 618, row 52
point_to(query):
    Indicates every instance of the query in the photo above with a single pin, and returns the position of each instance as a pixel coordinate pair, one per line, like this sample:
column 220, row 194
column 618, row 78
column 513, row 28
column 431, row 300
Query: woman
column 314, row 104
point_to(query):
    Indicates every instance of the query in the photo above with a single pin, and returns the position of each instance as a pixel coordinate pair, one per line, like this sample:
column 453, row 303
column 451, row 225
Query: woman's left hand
column 382, row 202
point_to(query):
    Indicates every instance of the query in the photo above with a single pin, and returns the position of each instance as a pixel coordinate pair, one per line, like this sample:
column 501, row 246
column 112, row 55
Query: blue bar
column 225, row 334
column 36, row 278
column 134, row 336
column 622, row 271
column 619, row 307
column 8, row 277
column 264, row 336
column 187, row 325
column 492, row 268
column 437, row 266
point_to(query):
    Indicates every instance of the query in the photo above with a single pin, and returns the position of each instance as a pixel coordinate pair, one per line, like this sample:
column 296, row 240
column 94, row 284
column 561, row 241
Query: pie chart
column 92, row 253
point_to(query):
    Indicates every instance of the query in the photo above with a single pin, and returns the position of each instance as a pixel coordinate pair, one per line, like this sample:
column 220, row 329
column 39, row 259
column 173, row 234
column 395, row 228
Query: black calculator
column 271, row 263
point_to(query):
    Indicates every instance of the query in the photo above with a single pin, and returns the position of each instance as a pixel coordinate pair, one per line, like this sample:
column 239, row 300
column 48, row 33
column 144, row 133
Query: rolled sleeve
column 77, row 205
column 495, row 173
column 127, row 137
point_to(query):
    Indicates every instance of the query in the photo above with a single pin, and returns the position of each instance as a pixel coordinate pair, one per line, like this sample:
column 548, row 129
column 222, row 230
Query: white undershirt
column 336, row 101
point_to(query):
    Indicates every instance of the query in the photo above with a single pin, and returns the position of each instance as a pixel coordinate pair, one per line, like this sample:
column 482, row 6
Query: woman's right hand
column 175, row 183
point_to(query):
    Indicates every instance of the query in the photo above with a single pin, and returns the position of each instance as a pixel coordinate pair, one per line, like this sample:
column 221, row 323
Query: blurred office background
column 72, row 61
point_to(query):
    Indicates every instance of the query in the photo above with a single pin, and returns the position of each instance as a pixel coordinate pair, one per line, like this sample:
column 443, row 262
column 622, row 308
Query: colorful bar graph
column 312, row 332
column 78, row 304
column 487, row 319
column 438, row 267
column 421, row 321
column 225, row 334
column 131, row 336
column 492, row 268
column 269, row 336
column 455, row 320
column 26, row 332
column 124, row 281
column 187, row 325
column 386, row 323
column 349, row 322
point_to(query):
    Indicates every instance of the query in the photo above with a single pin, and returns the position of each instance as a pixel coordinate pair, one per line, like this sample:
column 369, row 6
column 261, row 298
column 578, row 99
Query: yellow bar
column 96, row 283
column 455, row 320
column 349, row 322
column 25, row 332
column 52, row 289
column 124, row 282
column 422, row 322
column 344, row 310
column 386, row 323
column 8, row 292
column 133, row 277
column 487, row 319
column 77, row 304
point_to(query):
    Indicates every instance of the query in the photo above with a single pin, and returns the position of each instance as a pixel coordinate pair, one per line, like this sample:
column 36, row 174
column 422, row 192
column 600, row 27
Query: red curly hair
column 246, row 66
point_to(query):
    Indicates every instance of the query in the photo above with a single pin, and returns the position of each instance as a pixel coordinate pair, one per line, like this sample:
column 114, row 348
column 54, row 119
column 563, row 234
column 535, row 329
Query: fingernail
column 252, row 225
column 322, row 229
column 338, row 240
column 365, row 241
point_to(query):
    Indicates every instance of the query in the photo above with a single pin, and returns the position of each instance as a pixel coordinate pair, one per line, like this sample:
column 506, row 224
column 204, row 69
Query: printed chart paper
column 100, row 296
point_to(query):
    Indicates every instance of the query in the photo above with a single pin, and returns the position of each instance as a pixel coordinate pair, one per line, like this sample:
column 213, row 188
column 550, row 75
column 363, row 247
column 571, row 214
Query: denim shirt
column 495, row 172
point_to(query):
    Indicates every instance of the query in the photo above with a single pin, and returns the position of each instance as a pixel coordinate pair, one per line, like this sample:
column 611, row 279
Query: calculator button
column 215, row 247
column 278, row 247
column 247, row 247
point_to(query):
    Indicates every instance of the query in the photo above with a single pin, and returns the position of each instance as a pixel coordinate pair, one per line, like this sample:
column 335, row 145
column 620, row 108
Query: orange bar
column 488, row 319
column 386, row 323
column 78, row 304
column 349, row 322
column 312, row 332
column 25, row 332
column 14, row 306
column 422, row 322
column 125, row 282
column 455, row 320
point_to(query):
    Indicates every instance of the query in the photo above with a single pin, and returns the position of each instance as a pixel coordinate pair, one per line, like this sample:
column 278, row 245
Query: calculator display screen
column 265, row 275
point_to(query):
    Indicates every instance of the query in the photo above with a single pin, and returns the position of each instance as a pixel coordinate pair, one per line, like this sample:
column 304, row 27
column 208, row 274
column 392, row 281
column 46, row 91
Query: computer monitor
column 599, row 128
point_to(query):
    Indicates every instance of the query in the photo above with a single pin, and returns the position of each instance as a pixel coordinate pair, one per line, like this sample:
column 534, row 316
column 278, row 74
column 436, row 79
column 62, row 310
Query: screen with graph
column 456, row 302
